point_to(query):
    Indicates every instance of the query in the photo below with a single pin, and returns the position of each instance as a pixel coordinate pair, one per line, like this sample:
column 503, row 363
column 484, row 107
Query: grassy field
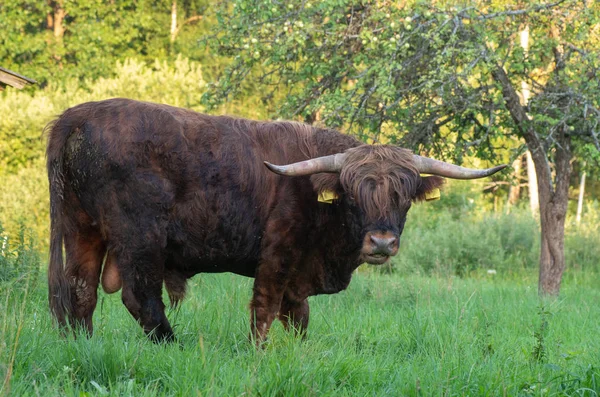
column 385, row 335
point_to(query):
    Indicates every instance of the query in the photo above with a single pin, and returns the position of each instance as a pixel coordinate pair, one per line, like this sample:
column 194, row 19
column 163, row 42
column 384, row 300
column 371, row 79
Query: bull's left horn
column 435, row 167
column 331, row 163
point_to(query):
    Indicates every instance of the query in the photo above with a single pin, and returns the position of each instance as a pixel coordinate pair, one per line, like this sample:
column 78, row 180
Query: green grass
column 385, row 335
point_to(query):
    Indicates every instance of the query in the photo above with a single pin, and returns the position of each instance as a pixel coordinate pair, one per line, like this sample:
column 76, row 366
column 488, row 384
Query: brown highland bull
column 143, row 194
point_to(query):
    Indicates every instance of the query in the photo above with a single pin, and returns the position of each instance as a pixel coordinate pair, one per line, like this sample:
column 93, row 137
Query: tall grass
column 18, row 255
column 19, row 273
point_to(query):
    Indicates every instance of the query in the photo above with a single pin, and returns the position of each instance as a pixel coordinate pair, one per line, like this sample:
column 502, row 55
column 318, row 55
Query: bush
column 24, row 201
column 19, row 258
column 458, row 237
column 461, row 246
column 581, row 242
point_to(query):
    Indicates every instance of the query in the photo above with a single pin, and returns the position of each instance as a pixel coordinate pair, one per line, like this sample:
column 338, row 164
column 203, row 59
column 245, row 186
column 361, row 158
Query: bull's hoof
column 159, row 336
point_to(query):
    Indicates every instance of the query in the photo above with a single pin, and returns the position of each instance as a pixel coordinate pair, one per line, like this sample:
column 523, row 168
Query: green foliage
column 96, row 35
column 469, row 244
column 540, row 350
column 420, row 75
column 581, row 240
column 24, row 201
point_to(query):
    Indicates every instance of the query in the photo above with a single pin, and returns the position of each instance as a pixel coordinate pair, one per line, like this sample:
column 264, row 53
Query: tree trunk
column 580, row 200
column 59, row 16
column 55, row 22
column 534, row 202
column 553, row 197
column 552, row 257
column 514, row 191
column 532, row 183
column 553, row 213
column 50, row 21
column 173, row 21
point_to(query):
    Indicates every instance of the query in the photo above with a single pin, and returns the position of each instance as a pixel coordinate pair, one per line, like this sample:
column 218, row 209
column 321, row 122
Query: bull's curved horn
column 331, row 163
column 435, row 167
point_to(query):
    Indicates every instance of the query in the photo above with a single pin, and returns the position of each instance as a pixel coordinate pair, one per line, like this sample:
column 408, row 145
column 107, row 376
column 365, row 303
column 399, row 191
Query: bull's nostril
column 383, row 243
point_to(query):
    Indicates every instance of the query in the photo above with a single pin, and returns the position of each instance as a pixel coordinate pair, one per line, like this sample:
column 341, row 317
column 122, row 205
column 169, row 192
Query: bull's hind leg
column 84, row 253
column 145, row 305
column 142, row 287
column 141, row 268
column 294, row 315
column 136, row 217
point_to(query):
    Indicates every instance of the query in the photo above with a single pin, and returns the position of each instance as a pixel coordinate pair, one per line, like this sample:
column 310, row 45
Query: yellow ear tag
column 327, row 196
column 432, row 195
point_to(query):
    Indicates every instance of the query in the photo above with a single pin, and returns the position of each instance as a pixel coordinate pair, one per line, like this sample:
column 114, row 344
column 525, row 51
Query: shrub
column 459, row 239
column 24, row 201
column 18, row 258
column 581, row 242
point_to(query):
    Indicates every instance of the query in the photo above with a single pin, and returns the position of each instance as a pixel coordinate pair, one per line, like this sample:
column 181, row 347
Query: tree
column 57, row 40
column 432, row 77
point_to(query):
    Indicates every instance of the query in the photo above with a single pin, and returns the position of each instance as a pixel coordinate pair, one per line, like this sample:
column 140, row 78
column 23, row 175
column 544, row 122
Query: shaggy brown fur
column 156, row 194
column 380, row 179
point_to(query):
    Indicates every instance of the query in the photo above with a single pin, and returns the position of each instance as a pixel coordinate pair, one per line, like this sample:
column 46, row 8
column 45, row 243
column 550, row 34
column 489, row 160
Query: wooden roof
column 8, row 77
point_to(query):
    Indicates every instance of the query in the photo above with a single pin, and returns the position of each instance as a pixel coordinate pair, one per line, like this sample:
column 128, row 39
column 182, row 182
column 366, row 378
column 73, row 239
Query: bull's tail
column 59, row 289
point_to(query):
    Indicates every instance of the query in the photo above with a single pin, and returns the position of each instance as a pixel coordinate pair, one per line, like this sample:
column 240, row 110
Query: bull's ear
column 324, row 182
column 428, row 184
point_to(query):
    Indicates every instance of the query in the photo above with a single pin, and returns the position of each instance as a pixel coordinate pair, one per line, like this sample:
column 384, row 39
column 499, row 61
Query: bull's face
column 376, row 185
column 381, row 238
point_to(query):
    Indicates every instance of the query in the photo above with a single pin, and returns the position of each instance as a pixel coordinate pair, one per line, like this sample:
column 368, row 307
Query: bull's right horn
column 435, row 167
column 331, row 163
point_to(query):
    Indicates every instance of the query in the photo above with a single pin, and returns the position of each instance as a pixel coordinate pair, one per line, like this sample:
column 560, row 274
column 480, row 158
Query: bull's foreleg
column 294, row 315
column 176, row 285
column 279, row 256
column 269, row 286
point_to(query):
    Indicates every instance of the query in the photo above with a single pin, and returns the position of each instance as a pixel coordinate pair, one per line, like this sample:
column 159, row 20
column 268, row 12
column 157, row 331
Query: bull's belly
column 190, row 264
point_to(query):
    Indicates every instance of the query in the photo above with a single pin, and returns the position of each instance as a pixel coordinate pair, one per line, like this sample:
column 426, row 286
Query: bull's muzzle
column 379, row 246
